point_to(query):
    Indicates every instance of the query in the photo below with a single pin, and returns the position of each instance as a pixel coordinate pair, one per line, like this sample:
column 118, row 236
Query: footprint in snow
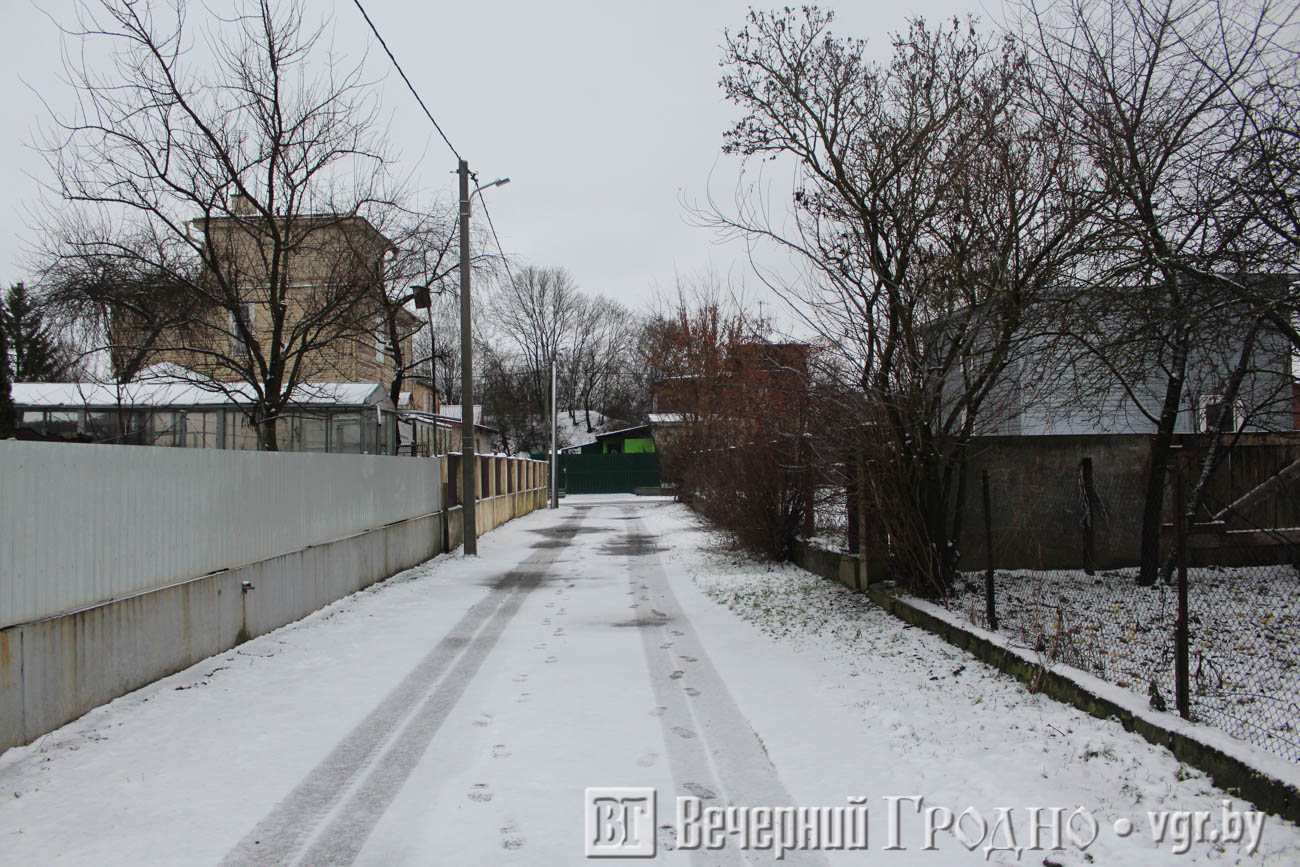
column 509, row 838
column 479, row 792
column 648, row 760
column 699, row 791
column 676, row 675
column 499, row 751
column 683, row 732
column 692, row 691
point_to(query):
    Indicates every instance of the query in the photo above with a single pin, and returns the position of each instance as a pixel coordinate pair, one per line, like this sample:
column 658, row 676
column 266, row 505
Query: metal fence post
column 1088, row 496
column 989, row 608
column 1181, row 661
column 446, row 517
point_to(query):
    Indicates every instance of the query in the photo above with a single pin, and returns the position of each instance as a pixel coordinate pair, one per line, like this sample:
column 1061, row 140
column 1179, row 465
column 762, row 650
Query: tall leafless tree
column 1157, row 96
column 938, row 212
column 602, row 352
column 533, row 317
column 224, row 162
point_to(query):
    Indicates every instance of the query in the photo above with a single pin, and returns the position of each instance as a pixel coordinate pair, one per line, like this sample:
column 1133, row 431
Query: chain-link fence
column 1215, row 637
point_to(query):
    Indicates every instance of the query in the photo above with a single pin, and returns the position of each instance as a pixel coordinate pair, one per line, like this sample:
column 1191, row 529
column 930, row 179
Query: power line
column 429, row 114
column 401, row 72
column 488, row 214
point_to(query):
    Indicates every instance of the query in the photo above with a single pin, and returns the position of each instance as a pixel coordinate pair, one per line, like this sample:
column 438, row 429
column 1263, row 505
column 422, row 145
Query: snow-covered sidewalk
column 456, row 713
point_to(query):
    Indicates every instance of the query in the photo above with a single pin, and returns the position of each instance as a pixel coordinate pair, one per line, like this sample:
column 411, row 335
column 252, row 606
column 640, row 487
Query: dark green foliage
column 34, row 353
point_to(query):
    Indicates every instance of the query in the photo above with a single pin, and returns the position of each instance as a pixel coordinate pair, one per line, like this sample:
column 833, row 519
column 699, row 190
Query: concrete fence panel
column 120, row 565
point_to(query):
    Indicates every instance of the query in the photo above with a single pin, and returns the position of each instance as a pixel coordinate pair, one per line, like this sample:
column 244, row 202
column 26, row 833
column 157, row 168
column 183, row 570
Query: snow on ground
column 1244, row 638
column 830, row 519
column 175, row 772
column 571, row 427
column 457, row 712
column 930, row 719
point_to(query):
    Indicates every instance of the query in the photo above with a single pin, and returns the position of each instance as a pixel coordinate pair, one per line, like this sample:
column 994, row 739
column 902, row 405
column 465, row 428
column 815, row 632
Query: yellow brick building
column 331, row 270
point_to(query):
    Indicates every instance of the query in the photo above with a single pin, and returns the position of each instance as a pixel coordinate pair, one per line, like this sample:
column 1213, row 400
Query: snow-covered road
column 456, row 713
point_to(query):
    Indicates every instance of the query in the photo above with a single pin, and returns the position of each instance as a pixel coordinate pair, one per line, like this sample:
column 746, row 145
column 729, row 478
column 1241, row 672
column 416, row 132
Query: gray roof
column 168, row 385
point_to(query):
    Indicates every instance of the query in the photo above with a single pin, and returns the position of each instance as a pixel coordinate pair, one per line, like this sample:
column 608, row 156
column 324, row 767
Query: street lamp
column 499, row 182
column 423, row 296
column 468, row 482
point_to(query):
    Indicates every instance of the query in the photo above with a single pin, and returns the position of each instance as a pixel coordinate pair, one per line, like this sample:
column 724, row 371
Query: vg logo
column 620, row 822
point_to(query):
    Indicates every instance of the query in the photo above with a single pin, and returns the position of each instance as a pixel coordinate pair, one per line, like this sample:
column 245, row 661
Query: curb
column 1230, row 773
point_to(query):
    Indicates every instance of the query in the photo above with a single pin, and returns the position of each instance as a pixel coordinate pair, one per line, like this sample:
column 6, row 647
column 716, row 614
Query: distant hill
column 573, row 431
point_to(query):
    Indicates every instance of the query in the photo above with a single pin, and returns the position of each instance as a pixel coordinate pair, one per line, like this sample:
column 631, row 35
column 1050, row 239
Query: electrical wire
column 483, row 200
column 401, row 72
column 488, row 214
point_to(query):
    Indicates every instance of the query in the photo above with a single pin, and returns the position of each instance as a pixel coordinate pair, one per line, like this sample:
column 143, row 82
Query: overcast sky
column 605, row 114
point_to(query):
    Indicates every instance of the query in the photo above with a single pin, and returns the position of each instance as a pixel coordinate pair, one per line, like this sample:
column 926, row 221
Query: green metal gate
column 609, row 474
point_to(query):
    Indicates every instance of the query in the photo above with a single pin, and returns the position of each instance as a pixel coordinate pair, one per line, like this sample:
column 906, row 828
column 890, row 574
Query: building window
column 346, row 434
column 1207, row 419
column 248, row 311
column 381, row 340
column 201, row 429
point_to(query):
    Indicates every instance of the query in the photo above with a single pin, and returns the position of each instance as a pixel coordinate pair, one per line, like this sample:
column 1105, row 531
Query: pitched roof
column 624, row 432
column 454, row 411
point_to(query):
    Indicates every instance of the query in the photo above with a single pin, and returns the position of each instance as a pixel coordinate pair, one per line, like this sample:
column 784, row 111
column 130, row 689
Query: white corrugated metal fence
column 82, row 524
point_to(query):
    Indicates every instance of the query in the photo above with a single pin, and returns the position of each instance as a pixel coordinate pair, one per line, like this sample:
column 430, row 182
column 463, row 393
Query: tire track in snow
column 328, row 816
column 712, row 750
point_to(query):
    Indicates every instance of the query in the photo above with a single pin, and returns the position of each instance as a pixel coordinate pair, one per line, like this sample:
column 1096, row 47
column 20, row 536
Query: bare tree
column 534, row 317
column 421, row 259
column 241, row 162
column 506, row 391
column 93, row 279
column 934, row 211
column 603, row 340
column 741, row 404
column 424, row 255
column 1264, row 177
column 1153, row 93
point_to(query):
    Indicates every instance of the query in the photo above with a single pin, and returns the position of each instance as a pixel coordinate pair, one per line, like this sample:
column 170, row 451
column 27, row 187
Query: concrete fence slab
column 57, row 667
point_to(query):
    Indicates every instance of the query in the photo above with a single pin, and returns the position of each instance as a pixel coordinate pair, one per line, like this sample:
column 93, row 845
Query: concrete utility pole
column 468, row 471
column 555, row 441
